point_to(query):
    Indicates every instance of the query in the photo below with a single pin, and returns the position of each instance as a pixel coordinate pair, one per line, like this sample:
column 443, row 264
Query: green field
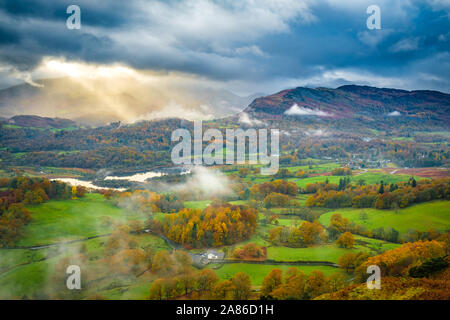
column 25, row 272
column 422, row 217
column 327, row 252
column 375, row 245
column 371, row 177
column 257, row 272
column 27, row 275
column 202, row 204
column 63, row 220
column 374, row 177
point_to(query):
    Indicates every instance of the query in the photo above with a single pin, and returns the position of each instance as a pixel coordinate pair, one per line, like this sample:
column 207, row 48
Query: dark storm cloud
column 341, row 40
column 239, row 40
column 96, row 13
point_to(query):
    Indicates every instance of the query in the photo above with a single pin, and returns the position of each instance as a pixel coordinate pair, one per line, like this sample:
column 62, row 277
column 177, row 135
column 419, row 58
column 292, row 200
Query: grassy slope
column 327, row 252
column 422, row 217
column 55, row 221
column 201, row 204
column 35, row 277
column 257, row 272
column 370, row 177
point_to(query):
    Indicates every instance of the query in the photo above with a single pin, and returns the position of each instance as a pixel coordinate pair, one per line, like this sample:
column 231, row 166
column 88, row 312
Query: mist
column 96, row 94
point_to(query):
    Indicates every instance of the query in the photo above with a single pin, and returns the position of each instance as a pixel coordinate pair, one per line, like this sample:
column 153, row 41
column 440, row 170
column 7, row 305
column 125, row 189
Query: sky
column 244, row 46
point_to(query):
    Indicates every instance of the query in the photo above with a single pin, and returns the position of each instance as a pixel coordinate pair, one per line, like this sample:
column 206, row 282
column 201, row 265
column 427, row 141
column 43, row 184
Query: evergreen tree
column 381, row 190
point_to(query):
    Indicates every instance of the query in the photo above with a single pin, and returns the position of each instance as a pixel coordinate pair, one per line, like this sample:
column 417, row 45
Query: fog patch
column 394, row 114
column 317, row 133
column 209, row 182
column 245, row 119
column 295, row 110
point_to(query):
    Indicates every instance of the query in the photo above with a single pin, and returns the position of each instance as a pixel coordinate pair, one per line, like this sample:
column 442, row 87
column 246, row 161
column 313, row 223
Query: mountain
column 40, row 122
column 98, row 102
column 351, row 101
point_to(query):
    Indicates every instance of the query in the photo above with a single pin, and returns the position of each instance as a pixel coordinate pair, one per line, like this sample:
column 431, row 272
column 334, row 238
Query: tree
column 162, row 262
column 337, row 225
column 316, row 284
column 294, row 284
column 242, row 284
column 249, row 251
column 276, row 200
column 336, row 281
column 32, row 197
column 129, row 261
column 184, row 261
column 169, row 288
column 346, row 240
column 223, row 290
column 156, row 290
column 186, row 281
column 364, row 216
column 428, row 267
column 381, row 189
column 271, row 281
column 206, row 280
column 74, row 192
column 311, row 233
column 347, row 261
column 80, row 191
column 392, row 235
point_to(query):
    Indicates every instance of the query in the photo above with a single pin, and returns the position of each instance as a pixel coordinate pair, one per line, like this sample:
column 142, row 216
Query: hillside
column 352, row 101
column 40, row 122
column 436, row 287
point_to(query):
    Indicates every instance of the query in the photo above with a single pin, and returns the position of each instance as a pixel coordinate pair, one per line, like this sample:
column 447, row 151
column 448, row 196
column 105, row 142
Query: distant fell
column 353, row 101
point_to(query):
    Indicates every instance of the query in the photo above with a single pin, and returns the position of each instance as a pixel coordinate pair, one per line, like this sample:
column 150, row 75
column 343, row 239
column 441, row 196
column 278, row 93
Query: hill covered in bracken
column 433, row 284
column 437, row 288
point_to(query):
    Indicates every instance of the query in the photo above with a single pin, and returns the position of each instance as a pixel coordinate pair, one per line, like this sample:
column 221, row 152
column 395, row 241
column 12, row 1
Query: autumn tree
column 186, row 282
column 206, row 280
column 276, row 200
column 128, row 261
column 347, row 261
column 336, row 281
column 249, row 251
column 162, row 262
column 216, row 225
column 271, row 281
column 183, row 261
column 224, row 290
column 337, row 226
column 242, row 285
column 316, row 284
column 346, row 240
column 156, row 290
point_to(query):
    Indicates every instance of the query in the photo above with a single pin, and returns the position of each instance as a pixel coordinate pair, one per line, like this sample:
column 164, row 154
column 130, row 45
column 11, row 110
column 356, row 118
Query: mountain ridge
column 354, row 100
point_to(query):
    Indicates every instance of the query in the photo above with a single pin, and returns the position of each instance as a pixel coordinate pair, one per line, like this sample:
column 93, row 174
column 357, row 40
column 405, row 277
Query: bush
column 428, row 268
